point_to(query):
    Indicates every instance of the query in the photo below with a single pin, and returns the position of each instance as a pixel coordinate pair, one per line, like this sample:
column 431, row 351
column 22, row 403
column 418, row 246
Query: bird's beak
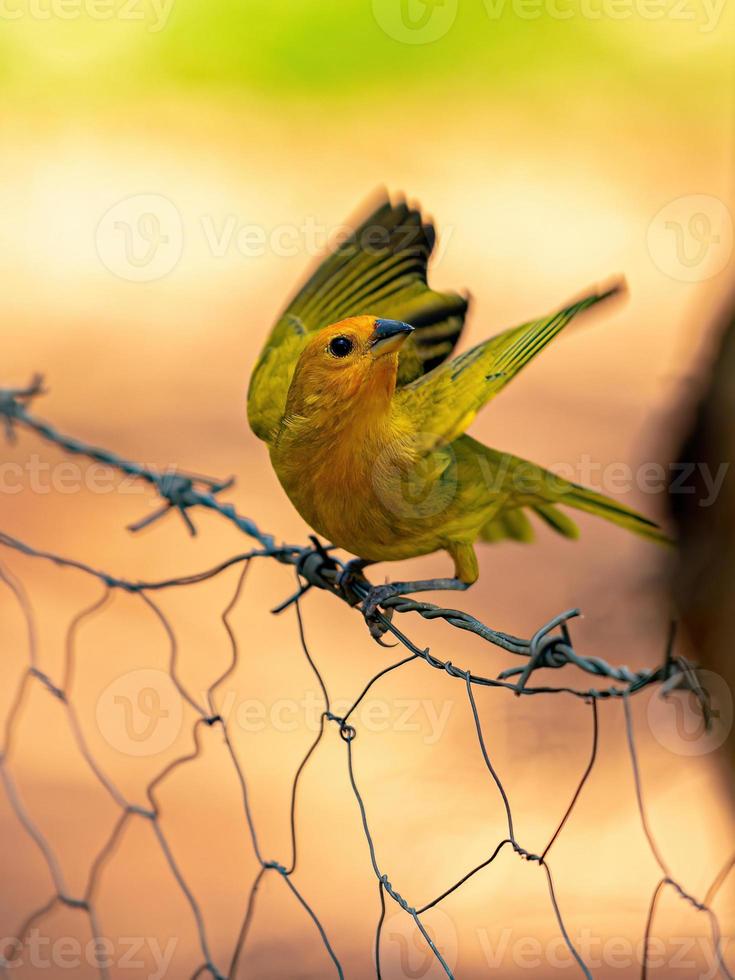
column 388, row 336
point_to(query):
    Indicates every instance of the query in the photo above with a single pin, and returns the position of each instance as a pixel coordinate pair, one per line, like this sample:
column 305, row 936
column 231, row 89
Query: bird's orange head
column 353, row 363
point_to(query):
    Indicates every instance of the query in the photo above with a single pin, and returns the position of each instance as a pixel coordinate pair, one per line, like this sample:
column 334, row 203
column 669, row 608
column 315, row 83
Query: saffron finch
column 364, row 413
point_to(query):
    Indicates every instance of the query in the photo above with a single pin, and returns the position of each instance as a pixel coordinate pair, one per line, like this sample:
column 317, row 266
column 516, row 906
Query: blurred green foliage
column 334, row 49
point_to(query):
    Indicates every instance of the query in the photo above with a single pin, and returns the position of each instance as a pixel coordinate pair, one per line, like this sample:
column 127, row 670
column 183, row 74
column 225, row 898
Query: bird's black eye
column 340, row 346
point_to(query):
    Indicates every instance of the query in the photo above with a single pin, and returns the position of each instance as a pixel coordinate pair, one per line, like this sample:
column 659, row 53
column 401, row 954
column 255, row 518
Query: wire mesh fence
column 550, row 649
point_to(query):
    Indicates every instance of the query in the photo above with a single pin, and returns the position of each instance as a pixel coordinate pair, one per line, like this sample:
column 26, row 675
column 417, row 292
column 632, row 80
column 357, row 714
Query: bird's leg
column 380, row 593
column 350, row 577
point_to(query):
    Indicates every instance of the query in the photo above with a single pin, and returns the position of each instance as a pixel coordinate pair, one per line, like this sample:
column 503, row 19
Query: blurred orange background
column 553, row 153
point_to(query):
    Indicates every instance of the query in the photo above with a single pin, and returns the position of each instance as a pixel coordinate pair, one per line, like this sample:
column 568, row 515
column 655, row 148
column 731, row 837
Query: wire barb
column 14, row 402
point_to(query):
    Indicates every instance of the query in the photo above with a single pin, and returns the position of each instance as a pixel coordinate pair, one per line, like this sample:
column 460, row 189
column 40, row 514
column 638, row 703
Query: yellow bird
column 364, row 414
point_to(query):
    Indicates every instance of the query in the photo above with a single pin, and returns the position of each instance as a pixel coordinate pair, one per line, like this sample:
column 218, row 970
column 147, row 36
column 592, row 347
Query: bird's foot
column 375, row 617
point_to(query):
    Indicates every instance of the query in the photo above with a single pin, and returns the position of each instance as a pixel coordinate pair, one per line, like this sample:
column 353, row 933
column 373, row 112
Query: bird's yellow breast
column 348, row 484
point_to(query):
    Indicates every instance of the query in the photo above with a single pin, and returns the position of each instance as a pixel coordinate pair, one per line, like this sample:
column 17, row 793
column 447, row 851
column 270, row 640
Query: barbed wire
column 550, row 648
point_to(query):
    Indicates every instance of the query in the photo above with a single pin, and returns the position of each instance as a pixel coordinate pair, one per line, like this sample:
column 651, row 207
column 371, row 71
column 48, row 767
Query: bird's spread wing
column 444, row 402
column 380, row 270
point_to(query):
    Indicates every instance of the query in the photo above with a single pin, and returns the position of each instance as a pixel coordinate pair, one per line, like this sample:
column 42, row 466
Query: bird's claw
column 375, row 616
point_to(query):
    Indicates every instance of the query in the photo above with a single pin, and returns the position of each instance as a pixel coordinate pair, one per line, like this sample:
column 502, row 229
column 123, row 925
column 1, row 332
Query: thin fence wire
column 550, row 648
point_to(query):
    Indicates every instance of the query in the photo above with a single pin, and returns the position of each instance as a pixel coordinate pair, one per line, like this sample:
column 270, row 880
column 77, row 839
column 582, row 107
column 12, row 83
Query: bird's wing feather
column 380, row 270
column 444, row 402
column 271, row 376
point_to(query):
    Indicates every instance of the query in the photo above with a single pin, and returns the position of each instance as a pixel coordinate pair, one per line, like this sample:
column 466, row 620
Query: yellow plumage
column 365, row 417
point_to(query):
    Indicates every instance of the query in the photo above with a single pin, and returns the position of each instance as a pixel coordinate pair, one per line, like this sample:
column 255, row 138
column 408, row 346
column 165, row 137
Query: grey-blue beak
column 388, row 336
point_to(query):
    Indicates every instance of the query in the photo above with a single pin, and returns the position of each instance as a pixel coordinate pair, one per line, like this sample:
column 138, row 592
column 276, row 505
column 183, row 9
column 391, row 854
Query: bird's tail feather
column 611, row 510
column 530, row 489
column 515, row 525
